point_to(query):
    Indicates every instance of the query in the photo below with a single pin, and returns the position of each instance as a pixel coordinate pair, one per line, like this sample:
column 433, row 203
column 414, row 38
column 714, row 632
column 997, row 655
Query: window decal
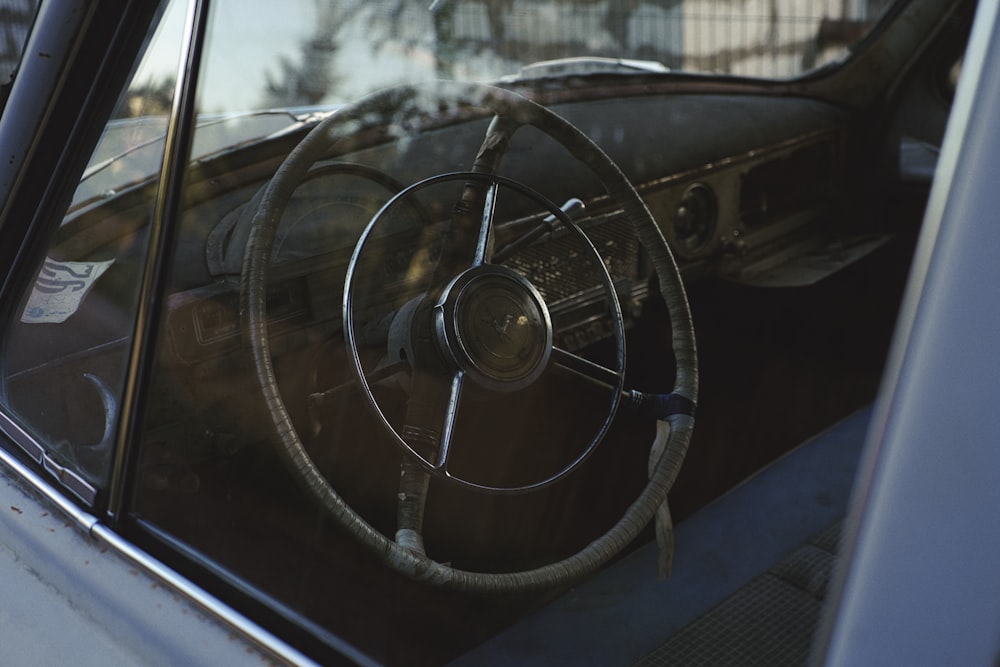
column 60, row 289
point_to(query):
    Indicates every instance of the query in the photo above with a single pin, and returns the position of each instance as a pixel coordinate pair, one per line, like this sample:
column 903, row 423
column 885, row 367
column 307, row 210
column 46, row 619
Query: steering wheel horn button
column 494, row 326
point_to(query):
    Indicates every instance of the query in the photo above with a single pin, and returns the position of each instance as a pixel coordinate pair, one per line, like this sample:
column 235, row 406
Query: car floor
column 749, row 573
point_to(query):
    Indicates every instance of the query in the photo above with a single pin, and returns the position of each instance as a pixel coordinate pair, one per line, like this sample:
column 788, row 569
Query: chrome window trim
column 107, row 538
column 250, row 630
column 177, row 146
column 70, row 480
column 82, row 519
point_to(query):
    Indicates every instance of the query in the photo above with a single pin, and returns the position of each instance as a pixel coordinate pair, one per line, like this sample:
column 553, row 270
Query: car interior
column 564, row 363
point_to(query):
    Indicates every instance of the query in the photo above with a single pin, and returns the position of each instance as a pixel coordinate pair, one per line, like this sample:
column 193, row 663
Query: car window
column 369, row 326
column 64, row 354
column 396, row 290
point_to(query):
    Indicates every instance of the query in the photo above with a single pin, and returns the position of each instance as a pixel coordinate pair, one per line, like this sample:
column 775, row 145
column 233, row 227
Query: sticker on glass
column 60, row 288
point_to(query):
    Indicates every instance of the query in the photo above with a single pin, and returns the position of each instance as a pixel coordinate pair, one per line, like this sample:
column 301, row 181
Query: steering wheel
column 447, row 345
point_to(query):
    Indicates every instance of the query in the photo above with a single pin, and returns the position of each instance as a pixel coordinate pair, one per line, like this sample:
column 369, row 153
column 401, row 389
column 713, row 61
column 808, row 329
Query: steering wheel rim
column 253, row 309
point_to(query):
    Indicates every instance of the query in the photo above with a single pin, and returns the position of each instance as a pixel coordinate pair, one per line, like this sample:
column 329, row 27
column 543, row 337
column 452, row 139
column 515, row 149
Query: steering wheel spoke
column 448, row 432
column 431, row 415
column 484, row 244
column 589, row 371
column 428, row 433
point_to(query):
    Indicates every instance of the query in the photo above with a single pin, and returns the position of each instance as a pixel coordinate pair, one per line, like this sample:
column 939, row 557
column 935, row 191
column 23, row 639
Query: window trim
column 53, row 117
column 164, row 229
column 69, row 479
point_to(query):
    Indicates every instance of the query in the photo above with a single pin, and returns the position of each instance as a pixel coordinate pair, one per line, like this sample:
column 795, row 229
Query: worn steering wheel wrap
column 674, row 411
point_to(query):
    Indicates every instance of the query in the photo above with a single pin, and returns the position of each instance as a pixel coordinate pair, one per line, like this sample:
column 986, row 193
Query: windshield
column 326, row 53
column 287, row 63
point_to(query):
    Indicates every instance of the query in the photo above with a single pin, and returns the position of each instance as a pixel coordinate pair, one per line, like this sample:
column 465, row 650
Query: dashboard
column 754, row 184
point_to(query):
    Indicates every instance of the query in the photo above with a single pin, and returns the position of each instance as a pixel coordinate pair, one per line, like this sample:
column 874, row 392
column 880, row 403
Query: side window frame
column 164, row 228
column 57, row 110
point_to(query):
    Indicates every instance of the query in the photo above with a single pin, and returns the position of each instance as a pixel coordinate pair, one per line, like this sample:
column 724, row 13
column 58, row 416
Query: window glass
column 327, row 53
column 64, row 355
column 322, row 343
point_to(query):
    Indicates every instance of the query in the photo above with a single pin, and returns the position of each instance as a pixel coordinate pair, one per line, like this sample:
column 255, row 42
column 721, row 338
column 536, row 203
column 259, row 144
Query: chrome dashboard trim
column 833, row 133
